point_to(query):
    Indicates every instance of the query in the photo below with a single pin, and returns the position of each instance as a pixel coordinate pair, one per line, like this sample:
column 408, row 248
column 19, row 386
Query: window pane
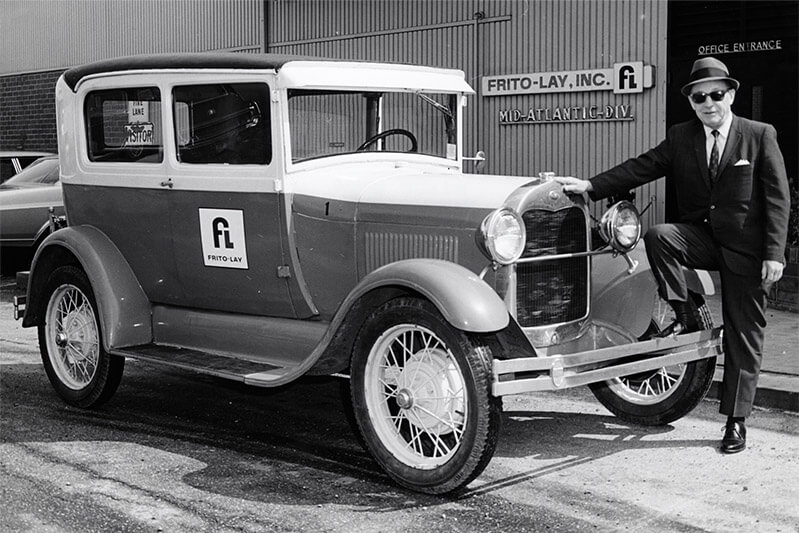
column 328, row 123
column 6, row 169
column 325, row 124
column 225, row 123
column 124, row 125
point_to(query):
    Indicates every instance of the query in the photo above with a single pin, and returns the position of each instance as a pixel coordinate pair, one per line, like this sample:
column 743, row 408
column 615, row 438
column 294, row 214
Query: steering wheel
column 383, row 134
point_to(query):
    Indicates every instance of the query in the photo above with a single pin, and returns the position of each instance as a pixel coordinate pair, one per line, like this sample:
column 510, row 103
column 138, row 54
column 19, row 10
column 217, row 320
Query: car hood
column 442, row 190
column 375, row 188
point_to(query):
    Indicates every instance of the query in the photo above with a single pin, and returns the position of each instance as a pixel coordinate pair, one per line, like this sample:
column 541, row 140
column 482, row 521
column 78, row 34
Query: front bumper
column 554, row 372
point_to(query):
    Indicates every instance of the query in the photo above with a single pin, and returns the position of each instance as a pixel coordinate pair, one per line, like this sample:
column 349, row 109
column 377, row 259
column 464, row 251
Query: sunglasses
column 716, row 96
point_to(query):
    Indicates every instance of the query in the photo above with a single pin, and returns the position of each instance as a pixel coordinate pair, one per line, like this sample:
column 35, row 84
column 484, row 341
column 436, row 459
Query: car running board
column 257, row 373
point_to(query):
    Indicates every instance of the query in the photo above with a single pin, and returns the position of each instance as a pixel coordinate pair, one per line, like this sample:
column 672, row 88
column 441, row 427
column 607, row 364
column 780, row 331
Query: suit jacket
column 746, row 207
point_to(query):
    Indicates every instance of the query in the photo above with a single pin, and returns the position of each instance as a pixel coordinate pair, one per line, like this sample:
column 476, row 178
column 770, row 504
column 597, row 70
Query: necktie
column 713, row 166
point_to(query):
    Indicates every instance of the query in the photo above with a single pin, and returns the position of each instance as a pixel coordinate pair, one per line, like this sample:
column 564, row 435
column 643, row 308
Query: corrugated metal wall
column 486, row 38
column 51, row 34
column 481, row 37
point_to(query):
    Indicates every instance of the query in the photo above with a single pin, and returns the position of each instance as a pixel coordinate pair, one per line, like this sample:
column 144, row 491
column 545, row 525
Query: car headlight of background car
column 620, row 226
column 503, row 236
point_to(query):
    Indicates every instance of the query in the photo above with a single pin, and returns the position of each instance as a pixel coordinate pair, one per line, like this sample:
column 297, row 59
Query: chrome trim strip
column 572, row 255
column 564, row 371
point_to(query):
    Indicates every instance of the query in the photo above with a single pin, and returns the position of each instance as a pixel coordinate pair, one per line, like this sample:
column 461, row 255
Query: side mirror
column 479, row 159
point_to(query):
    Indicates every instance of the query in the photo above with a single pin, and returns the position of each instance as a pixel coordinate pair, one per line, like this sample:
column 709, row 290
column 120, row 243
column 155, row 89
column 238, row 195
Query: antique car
column 263, row 218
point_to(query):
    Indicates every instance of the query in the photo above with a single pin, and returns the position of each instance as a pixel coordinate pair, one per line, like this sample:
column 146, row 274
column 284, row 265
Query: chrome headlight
column 503, row 235
column 621, row 226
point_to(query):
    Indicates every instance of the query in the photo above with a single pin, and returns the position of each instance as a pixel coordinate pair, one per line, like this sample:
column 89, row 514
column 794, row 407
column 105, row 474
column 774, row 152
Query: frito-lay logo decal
column 222, row 235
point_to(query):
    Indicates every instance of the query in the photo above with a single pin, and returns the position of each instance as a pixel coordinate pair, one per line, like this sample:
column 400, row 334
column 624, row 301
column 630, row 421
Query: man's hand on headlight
column 574, row 185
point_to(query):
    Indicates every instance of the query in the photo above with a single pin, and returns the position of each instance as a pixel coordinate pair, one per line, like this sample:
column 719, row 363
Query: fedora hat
column 708, row 69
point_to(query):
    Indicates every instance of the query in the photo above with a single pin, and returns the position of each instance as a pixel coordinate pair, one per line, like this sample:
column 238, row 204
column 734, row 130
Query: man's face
column 712, row 113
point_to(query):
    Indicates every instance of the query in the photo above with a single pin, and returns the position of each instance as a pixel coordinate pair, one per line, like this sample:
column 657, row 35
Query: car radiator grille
column 556, row 291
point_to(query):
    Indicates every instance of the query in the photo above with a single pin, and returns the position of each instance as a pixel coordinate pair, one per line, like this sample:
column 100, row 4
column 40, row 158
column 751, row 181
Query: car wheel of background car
column 420, row 392
column 383, row 134
column 78, row 367
column 666, row 394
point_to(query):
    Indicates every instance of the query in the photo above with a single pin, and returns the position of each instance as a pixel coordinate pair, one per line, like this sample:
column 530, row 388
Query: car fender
column 123, row 308
column 466, row 301
column 41, row 234
column 463, row 298
column 628, row 299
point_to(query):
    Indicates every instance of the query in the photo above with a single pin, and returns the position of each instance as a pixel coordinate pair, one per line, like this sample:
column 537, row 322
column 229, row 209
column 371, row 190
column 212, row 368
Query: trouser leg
column 670, row 247
column 743, row 300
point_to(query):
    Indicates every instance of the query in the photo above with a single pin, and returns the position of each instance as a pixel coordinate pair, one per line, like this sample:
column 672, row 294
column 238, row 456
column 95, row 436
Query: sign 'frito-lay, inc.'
column 623, row 78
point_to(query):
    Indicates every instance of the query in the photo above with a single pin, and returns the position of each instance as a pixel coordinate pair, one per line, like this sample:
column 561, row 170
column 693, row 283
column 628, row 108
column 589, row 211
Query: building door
column 758, row 43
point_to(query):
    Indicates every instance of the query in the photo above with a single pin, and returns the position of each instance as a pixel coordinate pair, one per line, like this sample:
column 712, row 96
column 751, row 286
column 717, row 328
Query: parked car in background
column 25, row 203
column 12, row 162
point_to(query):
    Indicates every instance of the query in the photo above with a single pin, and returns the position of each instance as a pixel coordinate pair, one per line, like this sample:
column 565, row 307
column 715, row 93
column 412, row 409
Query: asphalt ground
column 175, row 451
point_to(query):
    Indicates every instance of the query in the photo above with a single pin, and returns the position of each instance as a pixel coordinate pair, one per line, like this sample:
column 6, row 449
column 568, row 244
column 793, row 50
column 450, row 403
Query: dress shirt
column 724, row 133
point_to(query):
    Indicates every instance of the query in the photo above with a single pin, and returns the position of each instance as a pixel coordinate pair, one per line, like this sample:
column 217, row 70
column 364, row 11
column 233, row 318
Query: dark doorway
column 757, row 40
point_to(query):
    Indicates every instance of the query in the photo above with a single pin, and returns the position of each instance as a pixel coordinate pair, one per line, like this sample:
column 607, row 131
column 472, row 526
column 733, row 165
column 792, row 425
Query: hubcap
column 61, row 340
column 72, row 337
column 404, row 399
column 416, row 396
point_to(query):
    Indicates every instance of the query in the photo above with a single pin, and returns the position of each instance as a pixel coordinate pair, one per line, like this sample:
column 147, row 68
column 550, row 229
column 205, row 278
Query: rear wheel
column 70, row 341
column 421, row 396
column 661, row 396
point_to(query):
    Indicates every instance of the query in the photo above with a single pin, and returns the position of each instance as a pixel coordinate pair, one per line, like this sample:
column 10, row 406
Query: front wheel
column 660, row 396
column 421, row 397
column 78, row 367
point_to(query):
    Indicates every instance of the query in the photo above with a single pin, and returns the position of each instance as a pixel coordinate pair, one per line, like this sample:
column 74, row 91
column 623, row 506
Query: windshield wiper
column 441, row 107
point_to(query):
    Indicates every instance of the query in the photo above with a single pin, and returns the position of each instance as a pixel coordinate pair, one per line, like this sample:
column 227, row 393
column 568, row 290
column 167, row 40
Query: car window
column 38, row 173
column 223, row 123
column 326, row 123
column 24, row 161
column 124, row 125
column 6, row 169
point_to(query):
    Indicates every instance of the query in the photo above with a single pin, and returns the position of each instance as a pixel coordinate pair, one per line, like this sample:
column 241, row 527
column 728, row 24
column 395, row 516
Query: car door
column 112, row 179
column 225, row 202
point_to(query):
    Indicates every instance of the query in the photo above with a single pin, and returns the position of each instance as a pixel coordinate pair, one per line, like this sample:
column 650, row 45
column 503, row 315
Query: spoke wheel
column 70, row 341
column 72, row 337
column 663, row 395
column 651, row 387
column 420, row 393
column 416, row 396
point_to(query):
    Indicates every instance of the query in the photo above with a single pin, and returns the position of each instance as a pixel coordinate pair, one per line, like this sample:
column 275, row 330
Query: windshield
column 40, row 173
column 327, row 123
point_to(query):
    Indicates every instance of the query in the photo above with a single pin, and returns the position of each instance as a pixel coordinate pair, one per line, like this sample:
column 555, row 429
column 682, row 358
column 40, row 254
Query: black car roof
column 181, row 61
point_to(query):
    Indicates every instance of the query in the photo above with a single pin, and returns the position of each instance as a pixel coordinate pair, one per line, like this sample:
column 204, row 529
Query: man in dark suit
column 733, row 202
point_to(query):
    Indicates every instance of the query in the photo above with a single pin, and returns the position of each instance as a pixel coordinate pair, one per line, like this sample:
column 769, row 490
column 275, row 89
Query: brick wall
column 27, row 111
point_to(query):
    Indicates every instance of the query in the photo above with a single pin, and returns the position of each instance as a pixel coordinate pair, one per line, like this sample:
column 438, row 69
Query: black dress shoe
column 685, row 321
column 734, row 440
column 677, row 328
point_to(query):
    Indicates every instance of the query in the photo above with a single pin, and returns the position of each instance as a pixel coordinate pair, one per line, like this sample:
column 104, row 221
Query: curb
column 774, row 391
